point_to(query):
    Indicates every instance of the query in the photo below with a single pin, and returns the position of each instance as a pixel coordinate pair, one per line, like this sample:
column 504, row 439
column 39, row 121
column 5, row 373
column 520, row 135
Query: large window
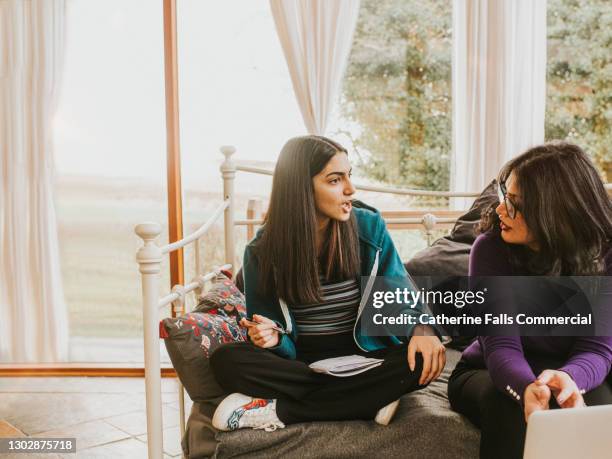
column 110, row 146
column 579, row 77
column 393, row 113
column 110, row 156
column 395, row 109
column 234, row 89
column 396, row 98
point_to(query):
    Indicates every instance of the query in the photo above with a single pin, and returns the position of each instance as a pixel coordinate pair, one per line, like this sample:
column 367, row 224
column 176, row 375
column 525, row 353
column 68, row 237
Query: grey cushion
column 447, row 261
column 424, row 426
column 465, row 227
column 192, row 367
column 444, row 257
column 448, row 256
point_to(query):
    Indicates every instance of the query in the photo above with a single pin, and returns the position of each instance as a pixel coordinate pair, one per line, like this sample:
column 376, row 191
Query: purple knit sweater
column 587, row 359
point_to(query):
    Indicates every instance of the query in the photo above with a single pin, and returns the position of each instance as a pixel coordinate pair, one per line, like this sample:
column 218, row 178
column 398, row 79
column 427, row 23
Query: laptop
column 570, row 433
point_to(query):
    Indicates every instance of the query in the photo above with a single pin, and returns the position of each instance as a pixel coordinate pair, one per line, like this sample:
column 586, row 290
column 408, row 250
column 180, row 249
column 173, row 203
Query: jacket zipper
column 365, row 295
column 287, row 317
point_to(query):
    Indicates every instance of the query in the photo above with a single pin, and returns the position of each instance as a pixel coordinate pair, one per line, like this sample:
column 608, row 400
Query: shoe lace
column 270, row 426
column 262, row 417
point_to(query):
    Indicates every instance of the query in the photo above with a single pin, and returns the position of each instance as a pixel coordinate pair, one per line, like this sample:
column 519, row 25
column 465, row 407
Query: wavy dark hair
column 566, row 208
column 287, row 250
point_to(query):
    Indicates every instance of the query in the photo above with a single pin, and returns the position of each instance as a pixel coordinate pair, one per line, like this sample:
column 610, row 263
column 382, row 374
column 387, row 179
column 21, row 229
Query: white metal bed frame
column 149, row 258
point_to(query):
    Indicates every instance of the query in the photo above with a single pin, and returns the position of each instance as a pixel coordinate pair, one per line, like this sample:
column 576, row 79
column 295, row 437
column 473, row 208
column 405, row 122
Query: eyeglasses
column 511, row 207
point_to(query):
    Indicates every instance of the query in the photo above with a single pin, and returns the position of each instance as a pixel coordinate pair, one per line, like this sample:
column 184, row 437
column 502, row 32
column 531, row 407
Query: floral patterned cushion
column 223, row 298
column 191, row 338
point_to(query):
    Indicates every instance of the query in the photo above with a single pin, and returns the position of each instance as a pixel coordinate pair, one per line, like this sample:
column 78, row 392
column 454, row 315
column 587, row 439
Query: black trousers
column 501, row 420
column 303, row 395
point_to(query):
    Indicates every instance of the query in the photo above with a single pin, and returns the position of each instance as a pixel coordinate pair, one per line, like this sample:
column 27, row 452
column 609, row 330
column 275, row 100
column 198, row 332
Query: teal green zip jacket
column 378, row 258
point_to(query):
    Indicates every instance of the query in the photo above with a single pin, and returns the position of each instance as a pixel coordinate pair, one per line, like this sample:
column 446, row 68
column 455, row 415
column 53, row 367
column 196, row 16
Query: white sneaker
column 386, row 413
column 238, row 411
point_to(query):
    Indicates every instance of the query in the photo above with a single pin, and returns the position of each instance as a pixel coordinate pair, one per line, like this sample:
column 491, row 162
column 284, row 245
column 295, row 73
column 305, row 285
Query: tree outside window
column 397, row 88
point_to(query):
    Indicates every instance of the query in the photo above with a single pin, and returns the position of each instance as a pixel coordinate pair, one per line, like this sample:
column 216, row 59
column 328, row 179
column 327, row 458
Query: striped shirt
column 335, row 314
column 325, row 329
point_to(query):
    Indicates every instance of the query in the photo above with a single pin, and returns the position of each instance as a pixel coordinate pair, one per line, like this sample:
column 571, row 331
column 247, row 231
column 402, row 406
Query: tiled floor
column 105, row 415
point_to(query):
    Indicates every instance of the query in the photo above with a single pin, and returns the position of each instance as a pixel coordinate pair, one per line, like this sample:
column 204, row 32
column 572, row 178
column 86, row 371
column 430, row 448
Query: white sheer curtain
column 499, row 86
column 316, row 37
column 33, row 316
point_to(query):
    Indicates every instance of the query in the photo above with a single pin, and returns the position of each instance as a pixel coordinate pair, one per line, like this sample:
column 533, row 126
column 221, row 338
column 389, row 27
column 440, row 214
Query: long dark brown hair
column 287, row 250
column 566, row 208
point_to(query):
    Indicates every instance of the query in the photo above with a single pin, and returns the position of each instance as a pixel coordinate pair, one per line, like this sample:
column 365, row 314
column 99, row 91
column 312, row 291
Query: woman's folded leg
column 303, row 395
column 355, row 397
column 258, row 372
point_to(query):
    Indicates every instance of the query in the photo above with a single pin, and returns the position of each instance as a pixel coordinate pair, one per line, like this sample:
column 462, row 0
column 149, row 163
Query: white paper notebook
column 348, row 365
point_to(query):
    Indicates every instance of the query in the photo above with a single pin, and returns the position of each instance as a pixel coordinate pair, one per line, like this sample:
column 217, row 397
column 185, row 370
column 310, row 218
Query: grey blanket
column 424, row 427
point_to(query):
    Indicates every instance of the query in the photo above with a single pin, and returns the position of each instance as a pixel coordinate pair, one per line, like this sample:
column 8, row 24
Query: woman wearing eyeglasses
column 554, row 218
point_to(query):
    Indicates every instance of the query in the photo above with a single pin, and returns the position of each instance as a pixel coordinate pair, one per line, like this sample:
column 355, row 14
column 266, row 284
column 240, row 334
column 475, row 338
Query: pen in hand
column 246, row 322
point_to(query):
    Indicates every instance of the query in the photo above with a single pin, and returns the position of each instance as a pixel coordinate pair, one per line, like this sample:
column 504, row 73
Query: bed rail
column 149, row 258
column 361, row 186
column 426, row 220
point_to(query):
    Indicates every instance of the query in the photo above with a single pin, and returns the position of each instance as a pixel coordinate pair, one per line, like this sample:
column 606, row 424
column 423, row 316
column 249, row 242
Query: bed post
column 429, row 222
column 254, row 211
column 149, row 258
column 228, row 171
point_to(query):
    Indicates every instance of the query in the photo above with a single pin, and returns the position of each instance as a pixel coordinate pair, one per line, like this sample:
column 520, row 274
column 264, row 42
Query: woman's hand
column 563, row 387
column 261, row 333
column 536, row 398
column 432, row 350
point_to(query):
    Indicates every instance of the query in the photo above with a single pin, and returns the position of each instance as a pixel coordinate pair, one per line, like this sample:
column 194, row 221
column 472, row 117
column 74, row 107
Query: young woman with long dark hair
column 302, row 278
column 554, row 218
